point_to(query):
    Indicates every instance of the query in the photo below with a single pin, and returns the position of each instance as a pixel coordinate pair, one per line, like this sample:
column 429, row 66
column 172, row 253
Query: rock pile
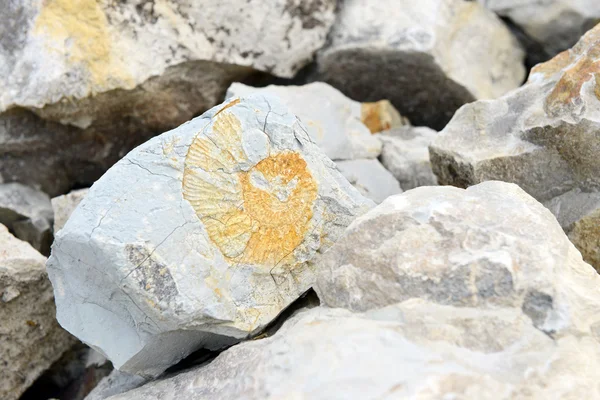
column 239, row 199
column 544, row 136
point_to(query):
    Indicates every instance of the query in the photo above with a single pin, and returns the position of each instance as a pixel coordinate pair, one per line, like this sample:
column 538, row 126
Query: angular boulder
column 370, row 178
column 405, row 154
column 427, row 57
column 333, row 121
column 84, row 82
column 27, row 212
column 543, row 136
column 491, row 245
column 414, row 350
column 30, row 337
column 553, row 25
column 199, row 237
column 64, row 206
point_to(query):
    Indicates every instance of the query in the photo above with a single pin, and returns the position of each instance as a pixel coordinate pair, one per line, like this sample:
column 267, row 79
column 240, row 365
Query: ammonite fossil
column 256, row 209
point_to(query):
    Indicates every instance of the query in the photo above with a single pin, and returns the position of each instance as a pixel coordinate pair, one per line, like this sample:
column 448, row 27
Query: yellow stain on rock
column 259, row 216
column 79, row 30
column 381, row 116
column 577, row 66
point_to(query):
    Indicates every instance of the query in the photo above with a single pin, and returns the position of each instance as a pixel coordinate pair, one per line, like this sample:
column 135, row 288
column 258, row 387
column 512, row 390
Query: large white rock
column 555, row 25
column 333, row 121
column 86, row 81
column 405, row 154
column 491, row 245
column 543, row 136
column 370, row 178
column 199, row 237
column 414, row 350
column 30, row 337
column 427, row 57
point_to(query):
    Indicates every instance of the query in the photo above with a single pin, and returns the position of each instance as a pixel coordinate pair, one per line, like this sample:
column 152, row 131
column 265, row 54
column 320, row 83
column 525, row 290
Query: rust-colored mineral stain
column 381, row 116
column 578, row 65
column 259, row 216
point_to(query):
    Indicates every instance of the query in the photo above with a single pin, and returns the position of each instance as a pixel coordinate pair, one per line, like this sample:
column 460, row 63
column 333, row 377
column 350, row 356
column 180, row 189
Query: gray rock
column 555, row 25
column 427, row 57
column 405, row 154
column 199, row 237
column 370, row 178
column 85, row 82
column 491, row 245
column 115, row 383
column 414, row 350
column 27, row 212
column 30, row 337
column 333, row 121
column 543, row 136
column 64, row 206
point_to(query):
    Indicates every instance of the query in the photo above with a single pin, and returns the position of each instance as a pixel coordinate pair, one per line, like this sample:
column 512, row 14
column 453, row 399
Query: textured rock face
column 64, row 206
column 405, row 154
column 413, row 350
column 370, row 178
column 556, row 25
column 28, row 213
column 427, row 57
column 333, row 121
column 491, row 245
column 87, row 81
column 199, row 237
column 30, row 337
column 543, row 136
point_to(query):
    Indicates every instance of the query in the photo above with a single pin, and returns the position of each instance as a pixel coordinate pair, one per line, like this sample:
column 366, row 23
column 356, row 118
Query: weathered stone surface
column 64, row 206
column 405, row 154
column 427, row 57
column 333, row 121
column 414, row 350
column 381, row 116
column 555, row 25
column 28, row 214
column 30, row 337
column 370, row 178
column 115, row 383
column 491, row 245
column 199, row 237
column 543, row 136
column 87, row 81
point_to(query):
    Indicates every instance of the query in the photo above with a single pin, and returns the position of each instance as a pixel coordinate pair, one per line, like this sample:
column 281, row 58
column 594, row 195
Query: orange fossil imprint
column 578, row 66
column 256, row 216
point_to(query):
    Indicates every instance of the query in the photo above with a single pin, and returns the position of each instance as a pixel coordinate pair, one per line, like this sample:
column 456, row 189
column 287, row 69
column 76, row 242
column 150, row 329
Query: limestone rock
column 555, row 25
column 30, row 337
column 405, row 154
column 381, row 116
column 333, row 121
column 87, row 81
column 543, row 136
column 28, row 214
column 199, row 237
column 414, row 350
column 491, row 245
column 427, row 57
column 370, row 178
column 64, row 206
column 115, row 383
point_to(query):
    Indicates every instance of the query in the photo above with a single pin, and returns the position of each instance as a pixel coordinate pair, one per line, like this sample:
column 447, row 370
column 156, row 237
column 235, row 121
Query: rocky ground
column 299, row 199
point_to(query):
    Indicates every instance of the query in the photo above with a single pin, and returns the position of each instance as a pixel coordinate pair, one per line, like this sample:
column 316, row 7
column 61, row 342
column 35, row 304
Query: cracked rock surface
column 427, row 57
column 543, row 136
column 449, row 293
column 30, row 337
column 84, row 82
column 199, row 237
